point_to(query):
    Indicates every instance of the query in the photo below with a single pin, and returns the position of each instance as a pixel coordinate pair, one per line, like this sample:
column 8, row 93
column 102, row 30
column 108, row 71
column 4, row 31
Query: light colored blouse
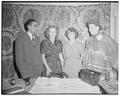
column 74, row 51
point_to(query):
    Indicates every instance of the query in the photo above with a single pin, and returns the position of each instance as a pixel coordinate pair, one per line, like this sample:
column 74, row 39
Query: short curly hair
column 46, row 32
column 71, row 29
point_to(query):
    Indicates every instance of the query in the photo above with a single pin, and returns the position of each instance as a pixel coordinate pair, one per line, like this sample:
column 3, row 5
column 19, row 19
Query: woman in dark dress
column 51, row 50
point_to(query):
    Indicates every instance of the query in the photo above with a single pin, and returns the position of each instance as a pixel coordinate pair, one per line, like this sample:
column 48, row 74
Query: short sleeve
column 60, row 46
column 43, row 47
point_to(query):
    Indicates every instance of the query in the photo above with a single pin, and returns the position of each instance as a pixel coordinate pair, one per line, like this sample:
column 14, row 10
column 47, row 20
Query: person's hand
column 27, row 80
column 48, row 72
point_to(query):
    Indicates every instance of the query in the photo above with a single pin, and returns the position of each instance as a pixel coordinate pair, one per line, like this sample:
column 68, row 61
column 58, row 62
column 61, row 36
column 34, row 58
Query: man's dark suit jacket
column 28, row 57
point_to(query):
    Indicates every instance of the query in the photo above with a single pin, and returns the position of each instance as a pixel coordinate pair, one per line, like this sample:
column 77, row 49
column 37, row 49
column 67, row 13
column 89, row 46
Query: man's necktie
column 33, row 40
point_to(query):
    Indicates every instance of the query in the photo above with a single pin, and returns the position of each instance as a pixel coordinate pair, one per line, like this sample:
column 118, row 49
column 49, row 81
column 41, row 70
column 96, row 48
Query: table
column 61, row 86
column 65, row 85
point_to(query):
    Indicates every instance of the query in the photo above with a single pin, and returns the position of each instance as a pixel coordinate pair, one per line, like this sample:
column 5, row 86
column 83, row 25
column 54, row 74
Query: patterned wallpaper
column 14, row 16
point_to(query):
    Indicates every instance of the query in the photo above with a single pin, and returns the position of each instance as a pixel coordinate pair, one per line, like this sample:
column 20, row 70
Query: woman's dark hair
column 46, row 32
column 28, row 22
column 71, row 29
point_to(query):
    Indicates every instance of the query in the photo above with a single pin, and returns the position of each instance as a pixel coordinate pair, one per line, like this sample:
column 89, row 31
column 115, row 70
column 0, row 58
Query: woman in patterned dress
column 51, row 49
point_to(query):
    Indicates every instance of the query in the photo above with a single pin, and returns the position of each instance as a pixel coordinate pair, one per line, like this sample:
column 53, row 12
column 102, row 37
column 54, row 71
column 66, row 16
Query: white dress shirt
column 30, row 35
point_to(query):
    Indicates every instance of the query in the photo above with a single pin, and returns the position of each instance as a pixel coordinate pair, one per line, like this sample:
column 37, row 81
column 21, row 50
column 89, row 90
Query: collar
column 30, row 34
column 99, row 36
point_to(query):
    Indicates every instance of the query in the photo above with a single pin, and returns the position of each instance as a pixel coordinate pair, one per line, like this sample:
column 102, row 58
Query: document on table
column 57, row 85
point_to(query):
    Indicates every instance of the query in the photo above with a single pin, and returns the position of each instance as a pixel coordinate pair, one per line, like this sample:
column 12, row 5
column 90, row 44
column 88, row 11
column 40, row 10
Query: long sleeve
column 82, row 50
column 112, row 53
column 19, row 56
column 85, row 55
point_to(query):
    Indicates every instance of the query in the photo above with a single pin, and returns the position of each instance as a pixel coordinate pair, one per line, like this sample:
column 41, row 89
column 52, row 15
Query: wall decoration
column 7, row 43
column 89, row 13
column 31, row 13
column 7, row 67
column 62, row 18
column 14, row 15
column 8, row 17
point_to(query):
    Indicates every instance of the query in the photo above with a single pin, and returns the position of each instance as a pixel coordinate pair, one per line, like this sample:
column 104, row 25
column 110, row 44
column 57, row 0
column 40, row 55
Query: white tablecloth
column 57, row 85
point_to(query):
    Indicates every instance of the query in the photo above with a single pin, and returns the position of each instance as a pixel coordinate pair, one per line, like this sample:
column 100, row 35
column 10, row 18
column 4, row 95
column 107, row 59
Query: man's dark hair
column 28, row 22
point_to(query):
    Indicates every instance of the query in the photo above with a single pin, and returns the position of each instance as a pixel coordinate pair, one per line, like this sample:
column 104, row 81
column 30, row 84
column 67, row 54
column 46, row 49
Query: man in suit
column 28, row 57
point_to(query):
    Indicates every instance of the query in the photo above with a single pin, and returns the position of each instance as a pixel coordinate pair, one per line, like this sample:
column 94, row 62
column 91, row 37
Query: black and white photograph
column 59, row 47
